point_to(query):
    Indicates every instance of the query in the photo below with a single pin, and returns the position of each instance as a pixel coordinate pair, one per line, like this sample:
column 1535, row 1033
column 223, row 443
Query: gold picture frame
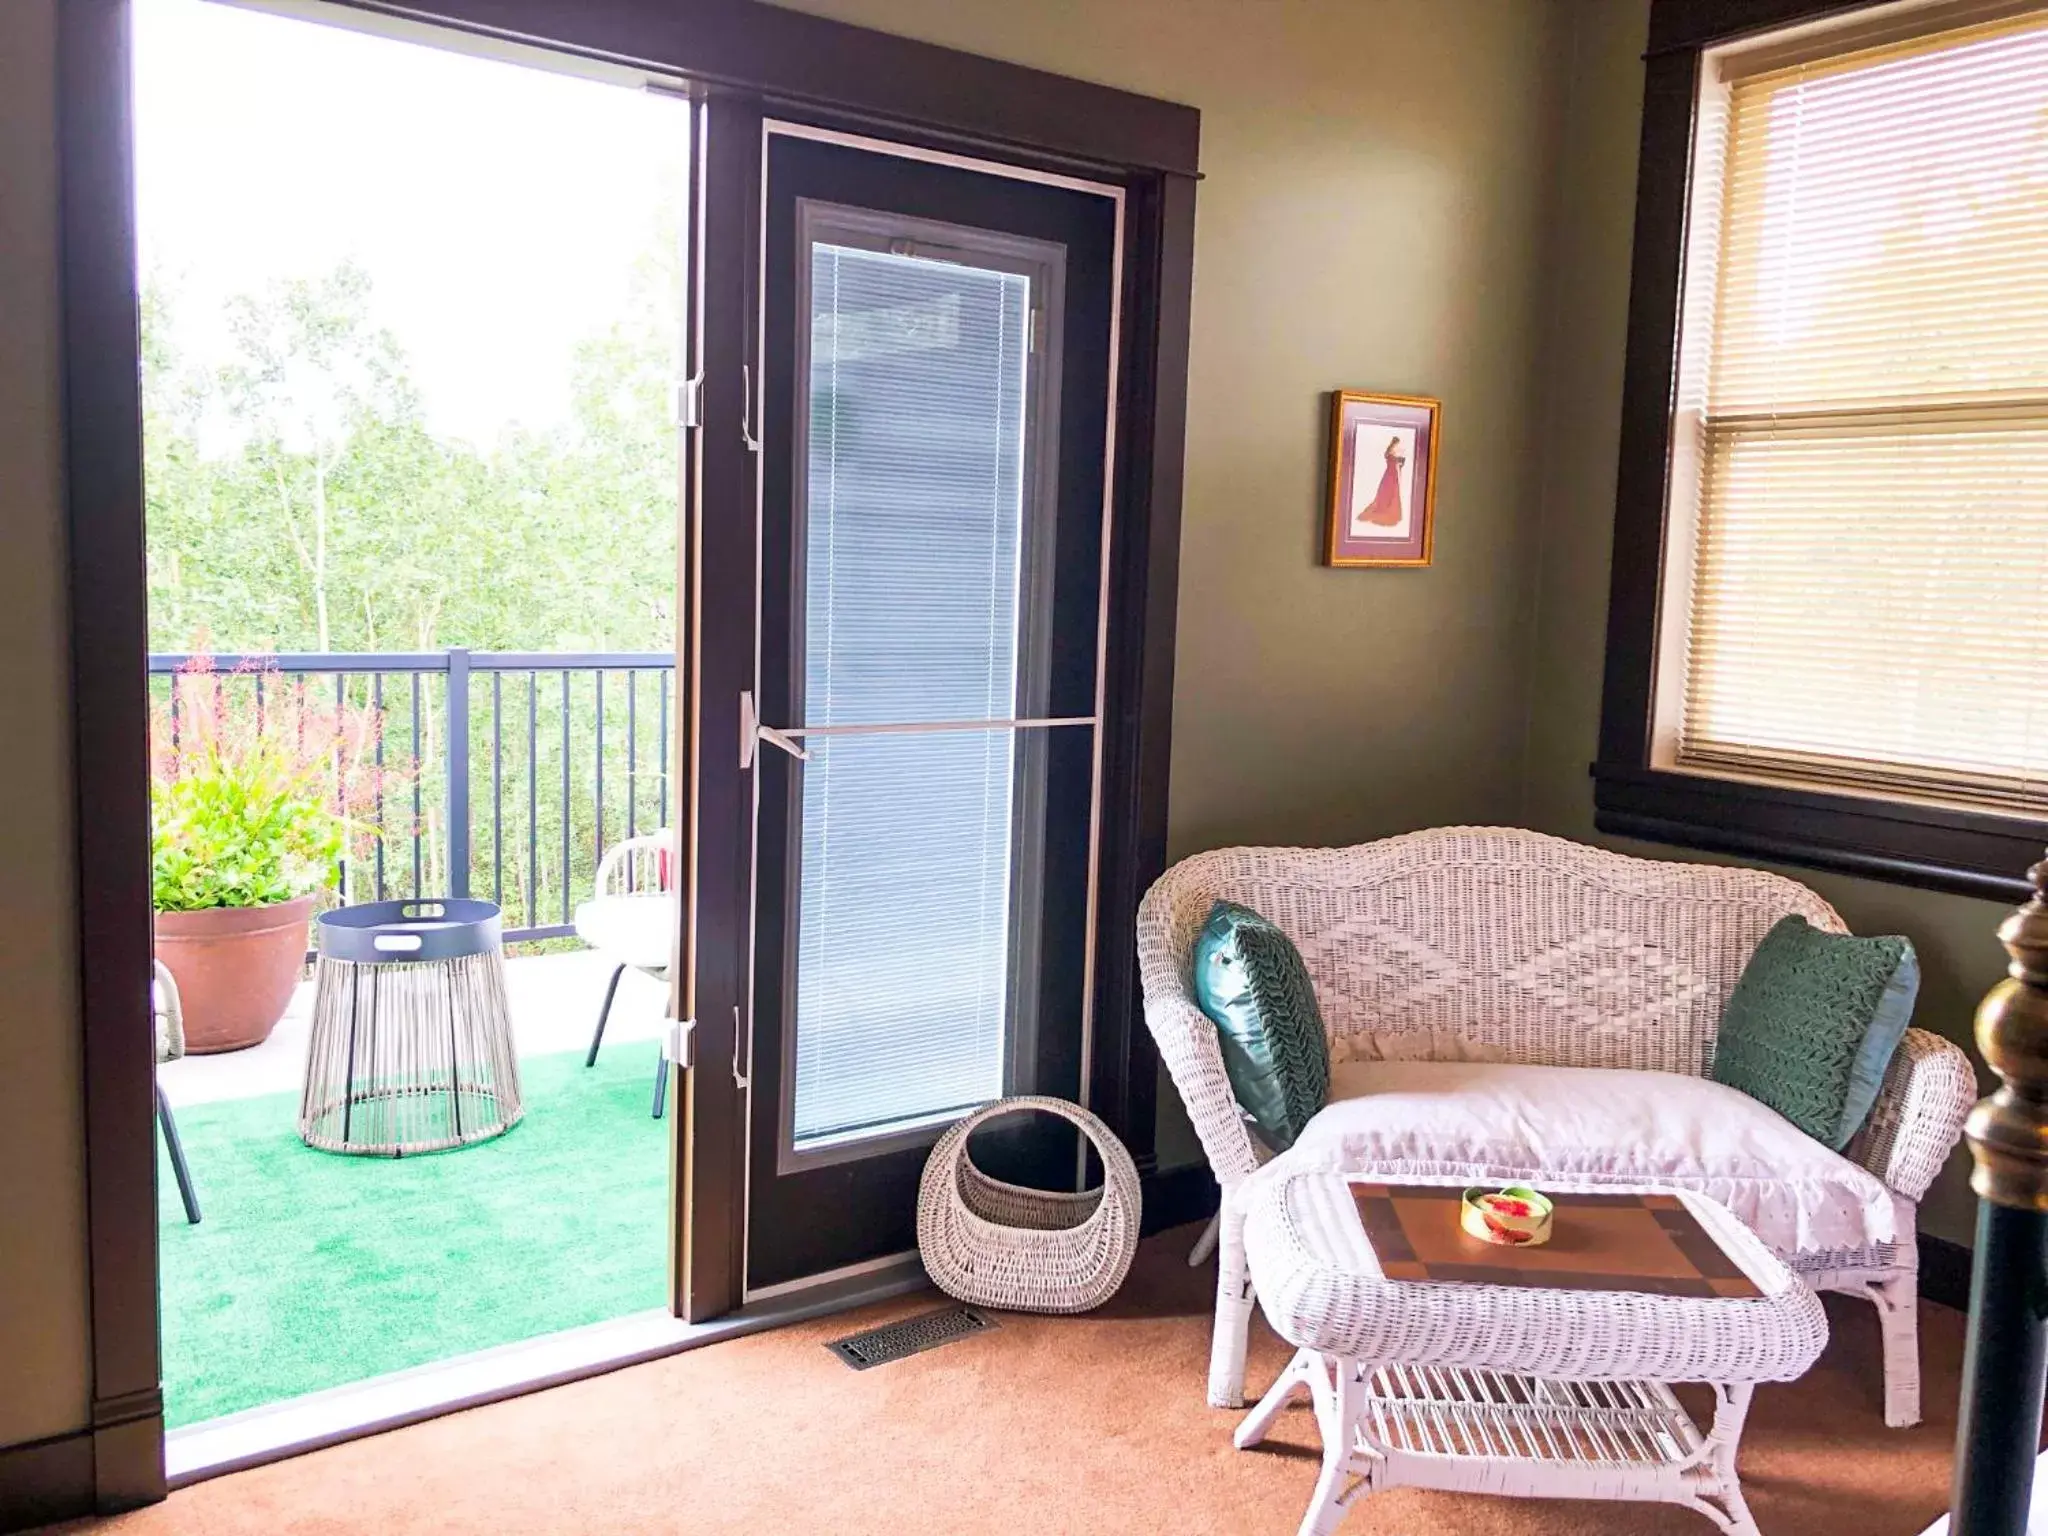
column 1382, row 504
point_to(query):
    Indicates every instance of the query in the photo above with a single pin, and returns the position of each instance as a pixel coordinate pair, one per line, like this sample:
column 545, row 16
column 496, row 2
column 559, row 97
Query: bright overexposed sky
column 497, row 208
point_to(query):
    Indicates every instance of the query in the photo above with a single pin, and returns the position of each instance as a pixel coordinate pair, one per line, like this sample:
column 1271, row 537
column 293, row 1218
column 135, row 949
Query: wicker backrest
column 1546, row 950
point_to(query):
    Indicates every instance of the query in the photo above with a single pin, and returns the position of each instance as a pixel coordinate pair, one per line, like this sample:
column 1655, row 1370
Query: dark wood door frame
column 1159, row 234
column 110, row 742
column 754, row 55
column 793, row 59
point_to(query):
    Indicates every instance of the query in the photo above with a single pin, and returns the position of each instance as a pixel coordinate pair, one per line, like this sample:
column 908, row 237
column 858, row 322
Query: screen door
column 935, row 362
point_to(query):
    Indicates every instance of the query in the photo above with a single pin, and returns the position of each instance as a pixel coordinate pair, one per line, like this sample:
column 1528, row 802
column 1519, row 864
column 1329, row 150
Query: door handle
column 752, row 732
column 748, row 434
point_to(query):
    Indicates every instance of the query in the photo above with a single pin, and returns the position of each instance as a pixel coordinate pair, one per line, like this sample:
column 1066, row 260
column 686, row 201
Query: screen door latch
column 752, row 732
column 690, row 401
column 682, row 1042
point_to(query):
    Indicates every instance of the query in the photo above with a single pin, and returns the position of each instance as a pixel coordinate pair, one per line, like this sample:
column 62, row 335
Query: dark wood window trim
column 1902, row 841
column 798, row 66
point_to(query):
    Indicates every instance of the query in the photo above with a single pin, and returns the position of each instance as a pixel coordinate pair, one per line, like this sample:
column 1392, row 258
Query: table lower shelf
column 1427, row 1411
column 1481, row 1431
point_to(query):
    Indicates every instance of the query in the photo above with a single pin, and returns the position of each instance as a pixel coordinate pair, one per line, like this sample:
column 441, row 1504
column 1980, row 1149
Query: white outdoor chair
column 631, row 921
column 168, row 1016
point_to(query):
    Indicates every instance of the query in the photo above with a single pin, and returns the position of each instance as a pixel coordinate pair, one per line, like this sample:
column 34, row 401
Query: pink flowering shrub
column 255, row 804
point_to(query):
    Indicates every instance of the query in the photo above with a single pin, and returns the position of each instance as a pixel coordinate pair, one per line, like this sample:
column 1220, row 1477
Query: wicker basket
column 1029, row 1250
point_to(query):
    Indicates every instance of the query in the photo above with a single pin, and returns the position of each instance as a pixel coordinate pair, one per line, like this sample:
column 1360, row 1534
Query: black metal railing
column 541, row 788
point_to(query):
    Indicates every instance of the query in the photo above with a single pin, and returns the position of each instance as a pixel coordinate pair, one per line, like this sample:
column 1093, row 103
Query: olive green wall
column 43, row 1374
column 1581, row 366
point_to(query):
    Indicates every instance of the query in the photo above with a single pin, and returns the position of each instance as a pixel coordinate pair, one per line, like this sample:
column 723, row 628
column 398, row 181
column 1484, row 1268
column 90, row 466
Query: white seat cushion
column 634, row 930
column 1582, row 1127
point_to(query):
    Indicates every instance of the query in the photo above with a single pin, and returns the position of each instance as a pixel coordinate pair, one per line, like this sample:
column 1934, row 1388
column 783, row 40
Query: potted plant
column 250, row 794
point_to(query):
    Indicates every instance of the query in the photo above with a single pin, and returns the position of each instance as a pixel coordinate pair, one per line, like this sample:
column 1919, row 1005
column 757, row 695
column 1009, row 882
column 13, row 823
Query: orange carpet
column 1046, row 1425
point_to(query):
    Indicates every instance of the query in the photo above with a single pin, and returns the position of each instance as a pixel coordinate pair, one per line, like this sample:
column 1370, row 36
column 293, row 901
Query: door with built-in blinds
column 936, row 384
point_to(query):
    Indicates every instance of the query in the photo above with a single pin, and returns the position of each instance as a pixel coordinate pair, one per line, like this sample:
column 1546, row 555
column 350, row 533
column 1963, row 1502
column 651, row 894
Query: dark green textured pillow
column 1250, row 981
column 1813, row 1022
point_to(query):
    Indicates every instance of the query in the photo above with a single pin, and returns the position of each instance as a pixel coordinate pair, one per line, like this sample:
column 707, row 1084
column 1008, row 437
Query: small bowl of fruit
column 1514, row 1217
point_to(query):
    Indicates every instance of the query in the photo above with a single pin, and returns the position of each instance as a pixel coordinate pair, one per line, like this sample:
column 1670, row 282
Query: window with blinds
column 1858, row 587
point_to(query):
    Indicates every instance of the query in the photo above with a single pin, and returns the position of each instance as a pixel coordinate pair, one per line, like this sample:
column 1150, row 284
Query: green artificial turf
column 313, row 1269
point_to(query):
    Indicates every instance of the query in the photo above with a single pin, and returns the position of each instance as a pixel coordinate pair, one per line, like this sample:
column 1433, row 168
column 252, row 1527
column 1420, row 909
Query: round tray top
column 408, row 932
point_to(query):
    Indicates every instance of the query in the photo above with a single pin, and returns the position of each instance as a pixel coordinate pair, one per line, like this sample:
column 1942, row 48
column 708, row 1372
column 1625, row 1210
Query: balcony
column 311, row 1270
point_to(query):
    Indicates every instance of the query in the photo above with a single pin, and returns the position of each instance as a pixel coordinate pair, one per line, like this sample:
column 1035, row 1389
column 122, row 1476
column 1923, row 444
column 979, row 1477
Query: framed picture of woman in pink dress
column 1382, row 478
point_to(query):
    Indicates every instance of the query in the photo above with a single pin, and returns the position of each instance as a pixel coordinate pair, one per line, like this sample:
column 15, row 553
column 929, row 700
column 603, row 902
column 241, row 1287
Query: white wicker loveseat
column 1513, row 947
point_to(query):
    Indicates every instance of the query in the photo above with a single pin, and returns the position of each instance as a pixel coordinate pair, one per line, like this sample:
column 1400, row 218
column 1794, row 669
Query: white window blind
column 913, row 545
column 1862, row 416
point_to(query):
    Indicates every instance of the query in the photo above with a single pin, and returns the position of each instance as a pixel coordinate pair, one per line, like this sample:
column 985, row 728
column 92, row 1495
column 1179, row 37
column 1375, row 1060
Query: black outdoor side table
column 412, row 1038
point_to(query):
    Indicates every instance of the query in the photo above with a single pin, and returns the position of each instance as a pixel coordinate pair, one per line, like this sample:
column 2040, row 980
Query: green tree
column 298, row 499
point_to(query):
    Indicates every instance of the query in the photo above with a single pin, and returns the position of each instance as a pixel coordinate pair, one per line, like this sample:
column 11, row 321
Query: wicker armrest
column 1168, row 919
column 1187, row 1044
column 1918, row 1117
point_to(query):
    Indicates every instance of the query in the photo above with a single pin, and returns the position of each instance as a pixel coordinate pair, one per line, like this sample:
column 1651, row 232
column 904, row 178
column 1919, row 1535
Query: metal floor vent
column 911, row 1336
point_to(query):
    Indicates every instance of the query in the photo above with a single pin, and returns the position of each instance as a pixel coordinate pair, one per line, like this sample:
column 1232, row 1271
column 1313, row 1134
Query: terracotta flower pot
column 235, row 968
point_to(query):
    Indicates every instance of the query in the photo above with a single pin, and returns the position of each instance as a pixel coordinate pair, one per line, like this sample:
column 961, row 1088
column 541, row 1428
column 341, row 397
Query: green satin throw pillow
column 1251, row 982
column 1813, row 1022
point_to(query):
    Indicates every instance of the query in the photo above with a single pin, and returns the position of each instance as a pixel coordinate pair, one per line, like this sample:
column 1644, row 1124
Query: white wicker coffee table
column 1437, row 1361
